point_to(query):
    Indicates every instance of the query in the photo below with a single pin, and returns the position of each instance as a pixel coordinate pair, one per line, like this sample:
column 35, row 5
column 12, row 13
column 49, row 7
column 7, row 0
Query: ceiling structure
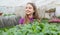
column 13, row 3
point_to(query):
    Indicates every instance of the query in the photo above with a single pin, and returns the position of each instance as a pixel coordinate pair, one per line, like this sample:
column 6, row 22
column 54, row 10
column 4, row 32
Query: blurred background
column 46, row 8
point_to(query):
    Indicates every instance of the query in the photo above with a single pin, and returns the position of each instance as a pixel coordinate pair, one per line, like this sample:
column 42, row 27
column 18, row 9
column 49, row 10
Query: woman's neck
column 30, row 16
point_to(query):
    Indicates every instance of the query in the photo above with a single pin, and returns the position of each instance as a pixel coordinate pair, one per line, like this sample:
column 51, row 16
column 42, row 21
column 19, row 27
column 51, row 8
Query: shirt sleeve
column 21, row 21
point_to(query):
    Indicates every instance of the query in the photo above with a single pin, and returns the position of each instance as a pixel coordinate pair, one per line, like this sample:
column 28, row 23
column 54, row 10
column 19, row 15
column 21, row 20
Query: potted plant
column 51, row 11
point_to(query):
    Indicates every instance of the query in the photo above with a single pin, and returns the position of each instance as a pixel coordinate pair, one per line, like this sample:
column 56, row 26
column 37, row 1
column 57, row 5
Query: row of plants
column 34, row 28
column 8, row 14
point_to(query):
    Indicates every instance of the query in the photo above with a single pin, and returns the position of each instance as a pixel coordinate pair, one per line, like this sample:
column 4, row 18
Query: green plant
column 8, row 14
column 34, row 28
column 59, row 17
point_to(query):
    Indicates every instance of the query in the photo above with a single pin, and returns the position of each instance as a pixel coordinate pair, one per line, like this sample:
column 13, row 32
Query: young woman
column 30, row 14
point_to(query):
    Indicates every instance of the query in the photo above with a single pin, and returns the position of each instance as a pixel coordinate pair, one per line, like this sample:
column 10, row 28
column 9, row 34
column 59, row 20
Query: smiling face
column 29, row 9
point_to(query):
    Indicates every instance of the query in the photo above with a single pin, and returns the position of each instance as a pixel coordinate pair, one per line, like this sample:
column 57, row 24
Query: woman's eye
column 30, row 8
column 26, row 7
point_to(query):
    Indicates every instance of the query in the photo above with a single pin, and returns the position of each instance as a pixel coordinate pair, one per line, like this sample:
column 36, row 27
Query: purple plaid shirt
column 22, row 20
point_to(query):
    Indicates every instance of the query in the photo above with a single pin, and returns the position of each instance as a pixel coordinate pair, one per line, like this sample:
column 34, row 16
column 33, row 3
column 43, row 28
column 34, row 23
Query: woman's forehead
column 28, row 5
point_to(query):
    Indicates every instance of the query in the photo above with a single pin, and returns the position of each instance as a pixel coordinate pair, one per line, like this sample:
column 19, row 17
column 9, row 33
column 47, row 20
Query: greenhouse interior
column 46, row 20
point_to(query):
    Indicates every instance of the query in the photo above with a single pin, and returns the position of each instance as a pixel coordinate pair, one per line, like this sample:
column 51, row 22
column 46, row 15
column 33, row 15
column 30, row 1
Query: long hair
column 35, row 14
